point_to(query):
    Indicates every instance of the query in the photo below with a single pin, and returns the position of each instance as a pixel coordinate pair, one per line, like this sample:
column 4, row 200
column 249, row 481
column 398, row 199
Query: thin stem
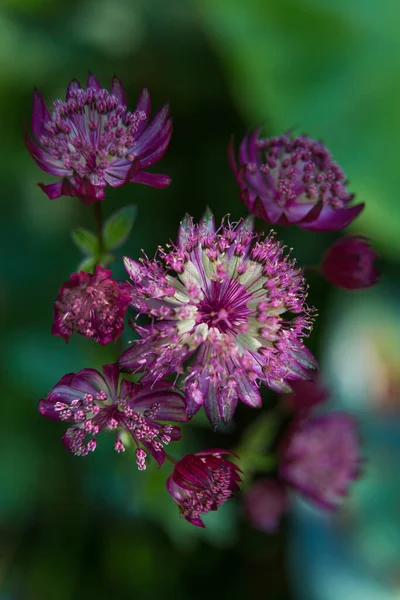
column 171, row 459
column 99, row 227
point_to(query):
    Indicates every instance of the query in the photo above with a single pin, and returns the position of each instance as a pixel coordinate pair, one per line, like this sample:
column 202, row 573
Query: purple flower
column 265, row 504
column 93, row 305
column 91, row 140
column 320, row 457
column 201, row 482
column 92, row 402
column 349, row 263
column 221, row 299
column 286, row 181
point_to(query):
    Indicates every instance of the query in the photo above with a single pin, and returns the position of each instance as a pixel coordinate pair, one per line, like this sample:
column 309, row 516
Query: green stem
column 171, row 459
column 99, row 228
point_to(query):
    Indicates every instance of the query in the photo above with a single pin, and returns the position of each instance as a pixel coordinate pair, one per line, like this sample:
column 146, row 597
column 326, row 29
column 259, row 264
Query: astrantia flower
column 265, row 504
column 222, row 299
column 201, row 482
column 286, row 181
column 321, row 457
column 93, row 305
column 92, row 402
column 91, row 140
column 349, row 263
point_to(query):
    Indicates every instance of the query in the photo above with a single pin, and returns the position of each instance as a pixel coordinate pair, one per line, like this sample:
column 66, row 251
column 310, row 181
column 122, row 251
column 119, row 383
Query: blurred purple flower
column 265, row 504
column 349, row 263
column 292, row 181
column 306, row 395
column 92, row 402
column 91, row 140
column 222, row 299
column 320, row 457
column 93, row 305
column 201, row 482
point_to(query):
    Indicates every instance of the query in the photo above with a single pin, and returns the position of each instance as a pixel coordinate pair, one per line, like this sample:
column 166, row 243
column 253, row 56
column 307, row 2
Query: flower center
column 224, row 306
column 89, row 131
column 302, row 169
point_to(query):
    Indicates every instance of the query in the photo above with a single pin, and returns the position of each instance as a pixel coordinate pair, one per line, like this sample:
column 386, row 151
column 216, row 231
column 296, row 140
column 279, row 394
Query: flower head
column 93, row 305
column 265, row 504
column 285, row 180
column 223, row 300
column 92, row 402
column 91, row 140
column 349, row 263
column 321, row 457
column 201, row 482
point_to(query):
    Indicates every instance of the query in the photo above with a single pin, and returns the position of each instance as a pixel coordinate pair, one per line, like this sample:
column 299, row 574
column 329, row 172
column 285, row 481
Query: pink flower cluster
column 220, row 315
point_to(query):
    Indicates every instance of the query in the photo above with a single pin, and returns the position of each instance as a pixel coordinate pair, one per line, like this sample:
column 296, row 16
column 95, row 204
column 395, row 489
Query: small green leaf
column 87, row 264
column 106, row 259
column 85, row 240
column 118, row 227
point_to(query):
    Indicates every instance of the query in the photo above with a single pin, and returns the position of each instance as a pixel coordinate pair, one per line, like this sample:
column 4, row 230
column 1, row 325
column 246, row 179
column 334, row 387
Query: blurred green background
column 74, row 528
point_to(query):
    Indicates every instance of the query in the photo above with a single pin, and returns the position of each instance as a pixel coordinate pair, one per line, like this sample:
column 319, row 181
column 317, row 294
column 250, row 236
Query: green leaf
column 106, row 259
column 254, row 447
column 85, row 240
column 87, row 264
column 118, row 227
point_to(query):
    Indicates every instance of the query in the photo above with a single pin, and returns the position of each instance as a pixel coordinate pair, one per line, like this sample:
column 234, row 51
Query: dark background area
column 95, row 527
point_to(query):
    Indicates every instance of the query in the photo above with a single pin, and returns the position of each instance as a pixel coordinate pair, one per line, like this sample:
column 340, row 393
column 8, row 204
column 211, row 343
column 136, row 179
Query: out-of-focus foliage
column 94, row 527
column 329, row 69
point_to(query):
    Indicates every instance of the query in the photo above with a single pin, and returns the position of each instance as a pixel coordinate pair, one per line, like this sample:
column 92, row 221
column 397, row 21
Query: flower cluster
column 92, row 305
column 92, row 141
column 285, row 180
column 232, row 303
column 201, row 482
column 218, row 315
column 93, row 402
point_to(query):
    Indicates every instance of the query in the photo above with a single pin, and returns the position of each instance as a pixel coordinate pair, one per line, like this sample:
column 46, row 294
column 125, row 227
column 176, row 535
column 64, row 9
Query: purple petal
column 191, row 473
column 153, row 179
column 111, row 375
column 117, row 89
column 158, row 455
column 248, row 392
column 331, row 219
column 74, row 85
column 133, row 268
column 43, row 159
column 46, row 408
column 144, row 105
column 163, row 143
column 93, row 82
column 40, row 115
column 152, row 131
column 52, row 190
column 172, row 406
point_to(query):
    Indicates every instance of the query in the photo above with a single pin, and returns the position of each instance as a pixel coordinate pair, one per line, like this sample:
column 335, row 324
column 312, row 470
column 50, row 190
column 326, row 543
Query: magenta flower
column 220, row 304
column 292, row 181
column 93, row 305
column 91, row 140
column 201, row 482
column 349, row 263
column 265, row 504
column 92, row 402
column 320, row 457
